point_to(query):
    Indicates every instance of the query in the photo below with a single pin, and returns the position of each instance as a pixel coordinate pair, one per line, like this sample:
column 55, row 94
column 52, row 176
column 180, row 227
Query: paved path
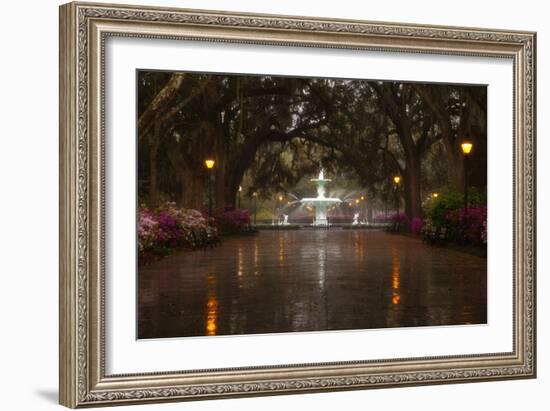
column 307, row 280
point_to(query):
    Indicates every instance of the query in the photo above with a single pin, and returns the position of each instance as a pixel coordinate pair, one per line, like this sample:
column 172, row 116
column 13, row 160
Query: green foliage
column 477, row 197
column 451, row 200
column 448, row 200
column 264, row 214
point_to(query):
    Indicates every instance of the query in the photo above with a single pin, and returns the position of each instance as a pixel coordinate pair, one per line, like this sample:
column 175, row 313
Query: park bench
column 442, row 236
column 199, row 237
column 429, row 234
column 435, row 235
column 393, row 227
column 212, row 238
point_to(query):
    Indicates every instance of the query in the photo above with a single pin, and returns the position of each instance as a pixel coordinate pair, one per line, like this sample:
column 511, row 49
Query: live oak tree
column 460, row 114
column 226, row 118
column 274, row 130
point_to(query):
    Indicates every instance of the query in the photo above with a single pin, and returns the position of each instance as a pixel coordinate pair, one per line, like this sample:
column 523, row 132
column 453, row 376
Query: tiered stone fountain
column 321, row 203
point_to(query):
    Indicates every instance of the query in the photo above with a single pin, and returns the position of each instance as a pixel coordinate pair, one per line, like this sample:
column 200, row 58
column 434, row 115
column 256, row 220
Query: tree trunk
column 455, row 163
column 369, row 211
column 235, row 172
column 153, row 171
column 219, row 183
column 192, row 189
column 412, row 192
column 406, row 195
column 413, row 198
column 159, row 103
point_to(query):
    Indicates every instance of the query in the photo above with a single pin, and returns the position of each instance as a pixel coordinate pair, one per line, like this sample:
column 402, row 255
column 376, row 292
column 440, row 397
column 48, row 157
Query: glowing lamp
column 466, row 147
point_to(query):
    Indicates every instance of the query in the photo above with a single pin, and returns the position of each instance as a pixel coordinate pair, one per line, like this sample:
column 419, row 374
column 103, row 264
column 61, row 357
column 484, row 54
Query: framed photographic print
column 256, row 204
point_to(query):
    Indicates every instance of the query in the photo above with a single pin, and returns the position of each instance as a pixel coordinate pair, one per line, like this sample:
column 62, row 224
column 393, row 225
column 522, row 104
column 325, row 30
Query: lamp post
column 278, row 199
column 209, row 163
column 396, row 181
column 279, row 206
column 239, row 196
column 255, row 195
column 466, row 147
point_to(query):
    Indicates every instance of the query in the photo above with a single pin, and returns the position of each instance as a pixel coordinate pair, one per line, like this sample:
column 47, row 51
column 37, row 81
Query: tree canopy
column 266, row 133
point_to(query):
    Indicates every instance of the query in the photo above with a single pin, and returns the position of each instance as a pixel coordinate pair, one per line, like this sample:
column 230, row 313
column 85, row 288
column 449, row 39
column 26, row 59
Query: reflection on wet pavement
column 310, row 280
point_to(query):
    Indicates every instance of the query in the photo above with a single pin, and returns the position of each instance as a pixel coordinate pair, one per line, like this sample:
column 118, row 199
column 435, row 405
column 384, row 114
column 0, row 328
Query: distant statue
column 284, row 220
column 355, row 219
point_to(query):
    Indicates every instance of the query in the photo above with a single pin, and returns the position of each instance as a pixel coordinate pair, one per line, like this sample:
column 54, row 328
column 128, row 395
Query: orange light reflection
column 396, row 268
column 211, row 307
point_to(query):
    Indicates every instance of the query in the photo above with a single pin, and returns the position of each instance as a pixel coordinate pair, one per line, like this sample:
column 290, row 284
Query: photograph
column 288, row 200
column 283, row 204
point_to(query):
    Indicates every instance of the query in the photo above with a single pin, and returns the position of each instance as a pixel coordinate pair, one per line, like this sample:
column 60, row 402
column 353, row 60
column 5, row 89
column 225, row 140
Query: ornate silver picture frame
column 84, row 29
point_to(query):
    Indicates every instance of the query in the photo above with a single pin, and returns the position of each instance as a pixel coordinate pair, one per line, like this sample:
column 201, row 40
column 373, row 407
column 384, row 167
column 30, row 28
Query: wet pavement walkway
column 310, row 280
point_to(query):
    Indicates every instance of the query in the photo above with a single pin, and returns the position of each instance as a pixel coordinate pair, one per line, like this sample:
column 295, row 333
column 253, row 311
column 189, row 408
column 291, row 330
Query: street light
column 209, row 163
column 239, row 196
column 255, row 195
column 278, row 199
column 280, row 206
column 466, row 147
column 435, row 195
column 396, row 181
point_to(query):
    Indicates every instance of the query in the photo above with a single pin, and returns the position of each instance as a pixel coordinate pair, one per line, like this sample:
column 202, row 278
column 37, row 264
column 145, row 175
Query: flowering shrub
column 469, row 226
column 450, row 200
column 232, row 220
column 416, row 225
column 169, row 227
column 381, row 218
column 402, row 219
column 447, row 201
column 148, row 228
column 484, row 232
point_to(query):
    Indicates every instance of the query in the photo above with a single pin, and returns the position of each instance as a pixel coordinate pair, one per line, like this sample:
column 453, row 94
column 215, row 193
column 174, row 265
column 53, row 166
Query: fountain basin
column 321, row 205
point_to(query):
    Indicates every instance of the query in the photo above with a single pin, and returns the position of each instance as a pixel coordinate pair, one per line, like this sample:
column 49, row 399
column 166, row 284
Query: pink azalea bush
column 169, row 227
column 147, row 228
column 469, row 226
column 381, row 218
column 416, row 225
column 402, row 219
column 232, row 220
column 462, row 226
column 484, row 232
